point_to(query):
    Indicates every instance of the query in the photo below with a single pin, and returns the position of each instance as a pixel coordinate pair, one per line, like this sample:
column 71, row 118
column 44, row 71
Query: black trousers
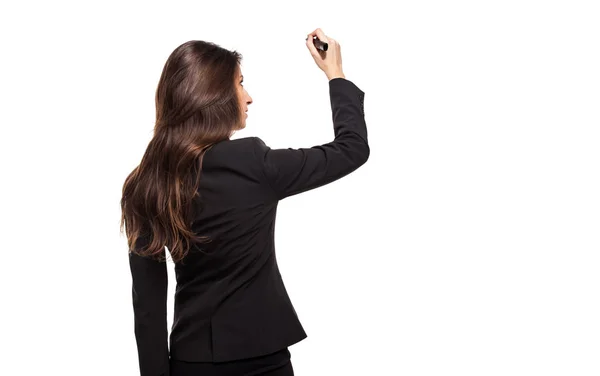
column 276, row 364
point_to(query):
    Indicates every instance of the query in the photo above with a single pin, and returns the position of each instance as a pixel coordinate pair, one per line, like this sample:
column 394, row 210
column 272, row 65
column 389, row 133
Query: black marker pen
column 319, row 44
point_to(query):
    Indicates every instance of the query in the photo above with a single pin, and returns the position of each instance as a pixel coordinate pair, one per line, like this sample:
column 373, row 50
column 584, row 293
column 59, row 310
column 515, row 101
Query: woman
column 212, row 202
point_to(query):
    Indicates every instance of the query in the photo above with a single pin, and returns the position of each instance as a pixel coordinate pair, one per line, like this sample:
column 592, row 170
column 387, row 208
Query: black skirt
column 275, row 364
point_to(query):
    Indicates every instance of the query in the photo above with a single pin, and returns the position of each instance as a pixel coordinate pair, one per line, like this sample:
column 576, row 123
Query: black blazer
column 230, row 301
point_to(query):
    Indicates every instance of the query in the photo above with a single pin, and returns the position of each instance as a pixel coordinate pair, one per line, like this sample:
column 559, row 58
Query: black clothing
column 232, row 304
column 276, row 364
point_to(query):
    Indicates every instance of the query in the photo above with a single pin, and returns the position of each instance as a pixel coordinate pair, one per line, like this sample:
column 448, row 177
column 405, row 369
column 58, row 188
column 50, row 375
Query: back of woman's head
column 197, row 106
column 197, row 90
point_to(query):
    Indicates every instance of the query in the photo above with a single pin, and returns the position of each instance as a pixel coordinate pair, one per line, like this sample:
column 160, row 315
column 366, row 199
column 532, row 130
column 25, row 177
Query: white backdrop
column 468, row 244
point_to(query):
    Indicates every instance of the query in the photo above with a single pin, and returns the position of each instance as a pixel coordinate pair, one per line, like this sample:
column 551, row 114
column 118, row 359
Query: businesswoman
column 211, row 201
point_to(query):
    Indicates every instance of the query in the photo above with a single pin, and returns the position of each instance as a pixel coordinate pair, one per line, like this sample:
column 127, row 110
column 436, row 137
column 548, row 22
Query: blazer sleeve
column 291, row 171
column 149, row 293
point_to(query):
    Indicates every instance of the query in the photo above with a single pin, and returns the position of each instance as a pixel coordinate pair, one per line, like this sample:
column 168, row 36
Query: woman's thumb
column 311, row 46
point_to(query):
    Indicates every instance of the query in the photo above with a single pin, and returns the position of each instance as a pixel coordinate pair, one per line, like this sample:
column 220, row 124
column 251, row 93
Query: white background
column 468, row 244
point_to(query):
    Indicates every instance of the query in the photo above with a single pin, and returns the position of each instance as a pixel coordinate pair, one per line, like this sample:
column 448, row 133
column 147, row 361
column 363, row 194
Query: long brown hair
column 196, row 106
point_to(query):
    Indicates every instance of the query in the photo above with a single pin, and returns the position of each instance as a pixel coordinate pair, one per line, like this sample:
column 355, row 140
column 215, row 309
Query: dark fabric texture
column 230, row 300
column 276, row 364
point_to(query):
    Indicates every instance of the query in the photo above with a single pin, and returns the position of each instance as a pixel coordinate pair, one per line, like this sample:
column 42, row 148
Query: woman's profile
column 212, row 201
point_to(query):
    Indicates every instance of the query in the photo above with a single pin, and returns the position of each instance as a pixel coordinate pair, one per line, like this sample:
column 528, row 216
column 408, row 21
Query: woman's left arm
column 149, row 295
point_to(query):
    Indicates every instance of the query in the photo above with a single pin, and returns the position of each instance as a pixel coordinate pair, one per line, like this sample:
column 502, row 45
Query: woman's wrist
column 336, row 74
